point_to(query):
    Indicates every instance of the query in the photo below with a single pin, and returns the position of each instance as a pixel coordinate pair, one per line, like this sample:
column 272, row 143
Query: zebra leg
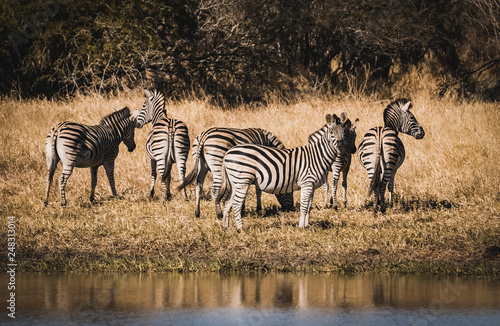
column 153, row 177
column 66, row 173
column 386, row 177
column 227, row 208
column 50, row 176
column 166, row 175
column 325, row 188
column 240, row 194
column 109, row 166
column 335, row 183
column 200, row 179
column 93, row 181
column 215, row 193
column 258, row 193
column 306, row 194
column 391, row 188
column 182, row 171
column 344, row 185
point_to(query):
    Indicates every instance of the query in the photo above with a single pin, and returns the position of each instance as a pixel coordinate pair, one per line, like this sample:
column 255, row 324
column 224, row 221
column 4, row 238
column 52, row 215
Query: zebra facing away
column 83, row 146
column 381, row 151
column 167, row 143
column 281, row 171
column 209, row 149
column 341, row 163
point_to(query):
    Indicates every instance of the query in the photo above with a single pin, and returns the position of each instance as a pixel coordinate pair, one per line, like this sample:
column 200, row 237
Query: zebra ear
column 347, row 124
column 406, row 107
column 343, row 117
column 335, row 119
column 355, row 123
column 328, row 118
column 147, row 93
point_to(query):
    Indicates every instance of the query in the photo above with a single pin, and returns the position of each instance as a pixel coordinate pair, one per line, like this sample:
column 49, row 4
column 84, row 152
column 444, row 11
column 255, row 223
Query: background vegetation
column 245, row 50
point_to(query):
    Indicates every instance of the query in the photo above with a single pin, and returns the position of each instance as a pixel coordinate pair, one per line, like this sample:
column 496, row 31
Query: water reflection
column 118, row 292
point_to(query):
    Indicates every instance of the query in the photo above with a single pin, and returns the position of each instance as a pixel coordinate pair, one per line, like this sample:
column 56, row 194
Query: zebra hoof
column 197, row 214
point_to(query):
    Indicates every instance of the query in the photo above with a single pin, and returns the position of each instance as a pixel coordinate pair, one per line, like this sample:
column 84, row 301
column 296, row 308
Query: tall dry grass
column 445, row 215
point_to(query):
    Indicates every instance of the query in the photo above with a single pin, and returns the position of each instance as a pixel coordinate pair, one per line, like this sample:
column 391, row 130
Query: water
column 258, row 299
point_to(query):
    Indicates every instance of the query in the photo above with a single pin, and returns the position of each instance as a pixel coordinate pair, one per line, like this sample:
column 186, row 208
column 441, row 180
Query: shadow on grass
column 414, row 204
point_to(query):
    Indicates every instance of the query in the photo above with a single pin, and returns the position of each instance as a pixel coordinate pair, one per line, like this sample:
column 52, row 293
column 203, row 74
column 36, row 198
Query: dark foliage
column 241, row 50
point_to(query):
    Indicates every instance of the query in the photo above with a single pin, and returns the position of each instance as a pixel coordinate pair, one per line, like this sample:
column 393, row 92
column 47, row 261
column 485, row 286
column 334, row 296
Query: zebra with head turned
column 341, row 163
column 209, row 149
column 280, row 171
column 167, row 143
column 381, row 152
column 83, row 146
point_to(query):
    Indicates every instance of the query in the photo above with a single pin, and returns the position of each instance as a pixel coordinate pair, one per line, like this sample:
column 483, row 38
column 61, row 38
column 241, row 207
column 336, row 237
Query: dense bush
column 245, row 49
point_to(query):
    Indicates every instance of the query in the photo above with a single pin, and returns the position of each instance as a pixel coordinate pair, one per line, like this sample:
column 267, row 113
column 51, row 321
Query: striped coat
column 381, row 151
column 280, row 171
column 167, row 143
column 341, row 163
column 83, row 146
column 209, row 149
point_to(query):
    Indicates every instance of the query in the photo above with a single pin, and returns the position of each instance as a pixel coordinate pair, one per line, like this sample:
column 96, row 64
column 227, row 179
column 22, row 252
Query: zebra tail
column 375, row 182
column 51, row 151
column 188, row 179
column 224, row 185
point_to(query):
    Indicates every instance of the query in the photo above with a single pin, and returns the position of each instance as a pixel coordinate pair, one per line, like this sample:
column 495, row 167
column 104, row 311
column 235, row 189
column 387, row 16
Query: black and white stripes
column 83, row 146
column 280, row 171
column 167, row 143
column 381, row 152
column 209, row 149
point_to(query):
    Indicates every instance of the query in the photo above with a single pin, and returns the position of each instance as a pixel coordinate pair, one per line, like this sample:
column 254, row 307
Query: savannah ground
column 447, row 208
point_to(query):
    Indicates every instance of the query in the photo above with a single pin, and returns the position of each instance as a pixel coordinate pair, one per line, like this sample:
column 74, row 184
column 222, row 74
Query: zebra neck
column 392, row 119
column 158, row 115
column 324, row 151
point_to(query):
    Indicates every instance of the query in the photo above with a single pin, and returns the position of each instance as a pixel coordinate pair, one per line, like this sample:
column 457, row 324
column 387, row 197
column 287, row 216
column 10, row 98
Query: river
column 251, row 299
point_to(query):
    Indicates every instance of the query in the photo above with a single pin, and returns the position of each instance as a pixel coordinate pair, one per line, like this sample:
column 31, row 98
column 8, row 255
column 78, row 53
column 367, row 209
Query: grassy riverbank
column 446, row 214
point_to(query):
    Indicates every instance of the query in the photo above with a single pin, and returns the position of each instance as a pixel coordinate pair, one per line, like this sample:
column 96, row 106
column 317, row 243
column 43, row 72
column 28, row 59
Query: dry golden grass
column 445, row 215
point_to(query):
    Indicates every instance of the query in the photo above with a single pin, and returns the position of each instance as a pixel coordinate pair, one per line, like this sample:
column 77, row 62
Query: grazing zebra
column 83, row 146
column 209, row 149
column 280, row 171
column 381, row 152
column 167, row 143
column 342, row 162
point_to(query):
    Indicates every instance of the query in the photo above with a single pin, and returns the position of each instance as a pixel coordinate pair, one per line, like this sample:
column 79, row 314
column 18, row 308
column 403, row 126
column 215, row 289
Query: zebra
column 281, row 171
column 342, row 162
column 208, row 151
column 82, row 146
column 167, row 143
column 381, row 151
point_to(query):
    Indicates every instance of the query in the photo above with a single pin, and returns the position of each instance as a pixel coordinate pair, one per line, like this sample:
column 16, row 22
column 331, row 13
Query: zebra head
column 152, row 109
column 349, row 133
column 398, row 117
column 129, row 131
column 335, row 132
column 409, row 124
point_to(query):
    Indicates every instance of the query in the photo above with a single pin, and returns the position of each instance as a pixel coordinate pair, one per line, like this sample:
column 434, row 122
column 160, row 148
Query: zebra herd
column 237, row 158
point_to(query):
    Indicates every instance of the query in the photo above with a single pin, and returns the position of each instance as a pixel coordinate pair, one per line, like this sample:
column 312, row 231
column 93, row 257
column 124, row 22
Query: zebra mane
column 115, row 116
column 273, row 140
